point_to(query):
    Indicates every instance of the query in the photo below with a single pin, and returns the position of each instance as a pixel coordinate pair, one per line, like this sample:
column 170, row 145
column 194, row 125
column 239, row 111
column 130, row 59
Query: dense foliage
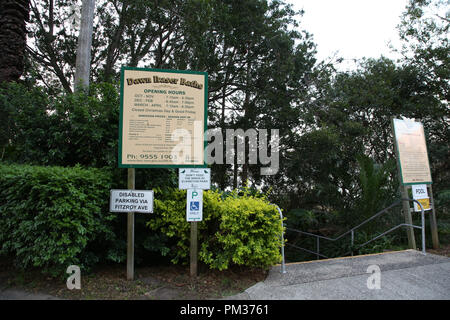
column 60, row 130
column 53, row 217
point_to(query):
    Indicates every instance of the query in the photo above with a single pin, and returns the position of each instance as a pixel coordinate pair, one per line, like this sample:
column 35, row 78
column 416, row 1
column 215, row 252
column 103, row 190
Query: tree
column 424, row 29
column 52, row 45
column 374, row 182
column 351, row 117
column 13, row 17
column 124, row 32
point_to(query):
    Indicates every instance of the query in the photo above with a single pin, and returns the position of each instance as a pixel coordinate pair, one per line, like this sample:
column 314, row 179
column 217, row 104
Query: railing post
column 283, row 264
column 423, row 233
column 318, row 248
column 422, row 213
column 352, row 241
column 423, row 227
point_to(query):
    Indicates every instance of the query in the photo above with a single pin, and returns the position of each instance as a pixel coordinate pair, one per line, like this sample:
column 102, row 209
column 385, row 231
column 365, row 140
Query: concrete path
column 11, row 294
column 404, row 275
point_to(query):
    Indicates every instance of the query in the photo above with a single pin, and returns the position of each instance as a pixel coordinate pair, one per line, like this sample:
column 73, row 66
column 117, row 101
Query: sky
column 352, row 28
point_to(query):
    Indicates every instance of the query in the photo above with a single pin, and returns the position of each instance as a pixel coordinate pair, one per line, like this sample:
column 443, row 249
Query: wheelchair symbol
column 195, row 206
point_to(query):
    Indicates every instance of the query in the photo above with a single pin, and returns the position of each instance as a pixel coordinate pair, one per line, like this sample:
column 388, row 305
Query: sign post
column 433, row 222
column 194, row 214
column 163, row 119
column 195, row 181
column 130, row 228
column 193, row 255
column 413, row 167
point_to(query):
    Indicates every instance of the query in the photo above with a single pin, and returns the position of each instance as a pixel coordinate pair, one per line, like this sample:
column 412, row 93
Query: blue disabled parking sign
column 194, row 205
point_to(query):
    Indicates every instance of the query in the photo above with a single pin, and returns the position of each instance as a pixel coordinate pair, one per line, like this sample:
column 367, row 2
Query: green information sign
column 163, row 118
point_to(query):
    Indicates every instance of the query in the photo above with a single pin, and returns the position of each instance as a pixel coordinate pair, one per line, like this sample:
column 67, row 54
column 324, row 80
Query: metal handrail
column 352, row 231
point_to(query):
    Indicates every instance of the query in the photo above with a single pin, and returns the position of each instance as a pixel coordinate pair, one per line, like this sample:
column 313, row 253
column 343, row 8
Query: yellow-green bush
column 237, row 229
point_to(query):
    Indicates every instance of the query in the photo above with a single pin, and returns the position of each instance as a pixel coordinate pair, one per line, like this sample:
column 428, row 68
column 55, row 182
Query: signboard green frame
column 146, row 82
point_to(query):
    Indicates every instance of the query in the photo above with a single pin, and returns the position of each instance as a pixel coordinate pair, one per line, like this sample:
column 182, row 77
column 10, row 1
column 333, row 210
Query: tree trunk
column 247, row 117
column 13, row 17
column 83, row 62
column 235, row 168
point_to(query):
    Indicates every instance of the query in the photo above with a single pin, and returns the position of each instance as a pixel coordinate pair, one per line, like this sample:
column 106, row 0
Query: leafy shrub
column 236, row 229
column 25, row 123
column 53, row 217
column 385, row 242
column 443, row 202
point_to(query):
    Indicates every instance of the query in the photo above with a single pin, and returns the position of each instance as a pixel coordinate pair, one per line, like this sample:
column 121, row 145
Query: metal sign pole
column 130, row 230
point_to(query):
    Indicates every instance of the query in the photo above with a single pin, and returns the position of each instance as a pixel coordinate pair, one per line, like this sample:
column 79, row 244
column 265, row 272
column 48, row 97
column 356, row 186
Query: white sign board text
column 189, row 178
column 131, row 201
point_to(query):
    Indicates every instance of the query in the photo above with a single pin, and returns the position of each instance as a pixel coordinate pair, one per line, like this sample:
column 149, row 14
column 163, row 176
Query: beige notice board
column 163, row 117
column 412, row 152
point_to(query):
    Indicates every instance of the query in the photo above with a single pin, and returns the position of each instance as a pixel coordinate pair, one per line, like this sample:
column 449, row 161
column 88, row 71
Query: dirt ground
column 444, row 250
column 167, row 282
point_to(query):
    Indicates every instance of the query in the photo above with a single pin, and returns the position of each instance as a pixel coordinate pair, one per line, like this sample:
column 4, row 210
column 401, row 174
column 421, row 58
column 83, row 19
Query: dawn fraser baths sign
column 162, row 114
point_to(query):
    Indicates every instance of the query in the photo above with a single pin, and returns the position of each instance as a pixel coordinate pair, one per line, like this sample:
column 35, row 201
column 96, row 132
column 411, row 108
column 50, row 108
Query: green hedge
column 53, row 217
column 236, row 229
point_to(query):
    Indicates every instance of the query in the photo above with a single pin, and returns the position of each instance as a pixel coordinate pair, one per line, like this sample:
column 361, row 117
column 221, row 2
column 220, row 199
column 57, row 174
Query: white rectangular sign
column 194, row 205
column 420, row 193
column 189, row 178
column 131, row 201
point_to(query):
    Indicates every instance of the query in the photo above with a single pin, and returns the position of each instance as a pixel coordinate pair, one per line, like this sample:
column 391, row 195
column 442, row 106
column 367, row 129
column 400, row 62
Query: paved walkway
column 12, row 294
column 404, row 275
